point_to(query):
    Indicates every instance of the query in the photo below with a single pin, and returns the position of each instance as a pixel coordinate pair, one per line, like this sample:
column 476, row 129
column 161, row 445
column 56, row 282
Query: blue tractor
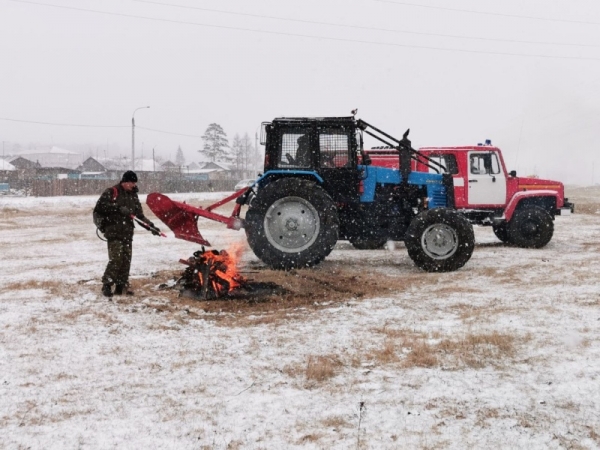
column 318, row 187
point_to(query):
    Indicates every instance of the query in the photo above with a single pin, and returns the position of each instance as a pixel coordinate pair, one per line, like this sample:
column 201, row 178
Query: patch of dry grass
column 421, row 354
column 418, row 349
column 477, row 350
column 387, row 353
column 51, row 286
column 321, row 368
column 336, row 422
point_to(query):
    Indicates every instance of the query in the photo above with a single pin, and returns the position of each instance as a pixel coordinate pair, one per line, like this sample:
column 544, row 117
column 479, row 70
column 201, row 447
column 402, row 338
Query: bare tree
column 238, row 152
column 179, row 158
column 248, row 152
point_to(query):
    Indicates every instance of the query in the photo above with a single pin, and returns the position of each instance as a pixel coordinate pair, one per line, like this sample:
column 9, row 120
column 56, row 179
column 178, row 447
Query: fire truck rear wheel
column 501, row 232
column 531, row 227
column 440, row 240
column 292, row 223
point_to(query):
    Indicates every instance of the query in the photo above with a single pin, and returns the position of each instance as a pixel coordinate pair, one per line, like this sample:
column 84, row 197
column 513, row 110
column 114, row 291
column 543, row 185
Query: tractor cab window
column 484, row 164
column 295, row 150
column 334, row 149
column 447, row 162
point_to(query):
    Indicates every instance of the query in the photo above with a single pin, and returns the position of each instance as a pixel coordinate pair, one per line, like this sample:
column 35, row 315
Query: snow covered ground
column 376, row 354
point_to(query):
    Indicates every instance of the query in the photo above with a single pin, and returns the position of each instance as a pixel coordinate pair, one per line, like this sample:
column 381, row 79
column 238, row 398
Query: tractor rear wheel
column 501, row 232
column 530, row 227
column 367, row 244
column 440, row 240
column 292, row 223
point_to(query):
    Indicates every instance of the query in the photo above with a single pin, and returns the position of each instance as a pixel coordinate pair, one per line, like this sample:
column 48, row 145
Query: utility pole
column 153, row 160
column 133, row 136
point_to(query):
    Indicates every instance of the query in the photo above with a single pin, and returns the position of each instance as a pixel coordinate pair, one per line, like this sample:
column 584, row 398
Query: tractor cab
column 326, row 148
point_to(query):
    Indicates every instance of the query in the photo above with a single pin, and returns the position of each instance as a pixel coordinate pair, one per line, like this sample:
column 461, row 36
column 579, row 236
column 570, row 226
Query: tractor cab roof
column 314, row 120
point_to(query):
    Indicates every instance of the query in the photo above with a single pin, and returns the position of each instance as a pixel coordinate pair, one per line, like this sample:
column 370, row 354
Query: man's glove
column 153, row 228
column 125, row 211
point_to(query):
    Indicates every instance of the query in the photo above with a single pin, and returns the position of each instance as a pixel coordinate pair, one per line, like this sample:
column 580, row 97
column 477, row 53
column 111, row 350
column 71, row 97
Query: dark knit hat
column 129, row 176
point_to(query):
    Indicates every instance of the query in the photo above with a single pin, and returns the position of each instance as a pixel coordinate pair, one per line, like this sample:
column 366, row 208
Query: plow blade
column 181, row 218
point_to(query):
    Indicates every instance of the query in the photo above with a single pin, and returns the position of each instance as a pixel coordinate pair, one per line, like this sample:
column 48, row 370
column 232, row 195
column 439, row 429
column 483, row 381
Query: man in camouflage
column 113, row 215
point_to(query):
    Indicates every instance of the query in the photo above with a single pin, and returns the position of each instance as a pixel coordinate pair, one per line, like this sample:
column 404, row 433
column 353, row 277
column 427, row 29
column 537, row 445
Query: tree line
column 242, row 153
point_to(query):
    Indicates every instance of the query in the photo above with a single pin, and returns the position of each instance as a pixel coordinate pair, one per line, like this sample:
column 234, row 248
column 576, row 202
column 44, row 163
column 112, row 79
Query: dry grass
column 477, row 350
column 51, row 286
column 588, row 208
column 321, row 368
column 387, row 353
column 421, row 354
column 418, row 349
column 310, row 438
column 336, row 422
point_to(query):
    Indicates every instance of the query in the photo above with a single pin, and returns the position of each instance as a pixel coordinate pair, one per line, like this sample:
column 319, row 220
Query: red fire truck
column 521, row 210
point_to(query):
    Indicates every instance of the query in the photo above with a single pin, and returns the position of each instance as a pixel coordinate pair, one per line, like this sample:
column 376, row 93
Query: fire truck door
column 486, row 180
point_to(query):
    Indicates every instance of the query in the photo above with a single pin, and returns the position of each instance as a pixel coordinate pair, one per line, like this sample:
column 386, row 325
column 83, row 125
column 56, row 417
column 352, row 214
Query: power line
column 169, row 132
column 358, row 27
column 276, row 33
column 97, row 126
column 515, row 16
column 64, row 124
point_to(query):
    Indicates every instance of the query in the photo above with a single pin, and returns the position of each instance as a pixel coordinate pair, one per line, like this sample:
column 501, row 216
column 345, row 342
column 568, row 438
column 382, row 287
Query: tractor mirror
column 513, row 173
column 366, row 159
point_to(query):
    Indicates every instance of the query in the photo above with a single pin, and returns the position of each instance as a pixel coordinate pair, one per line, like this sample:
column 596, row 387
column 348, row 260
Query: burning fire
column 211, row 273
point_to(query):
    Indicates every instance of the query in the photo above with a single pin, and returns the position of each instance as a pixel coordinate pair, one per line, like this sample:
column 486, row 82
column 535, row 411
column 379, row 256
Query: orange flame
column 224, row 275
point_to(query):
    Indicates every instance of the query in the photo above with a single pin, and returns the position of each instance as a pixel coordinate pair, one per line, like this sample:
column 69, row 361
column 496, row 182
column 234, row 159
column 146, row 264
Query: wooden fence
column 49, row 188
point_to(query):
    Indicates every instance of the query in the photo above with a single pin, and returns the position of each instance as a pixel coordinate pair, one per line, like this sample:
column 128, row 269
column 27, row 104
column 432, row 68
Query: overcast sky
column 524, row 73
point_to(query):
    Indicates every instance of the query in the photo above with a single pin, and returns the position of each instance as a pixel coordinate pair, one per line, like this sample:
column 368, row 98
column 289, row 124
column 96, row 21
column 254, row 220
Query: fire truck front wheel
column 501, row 232
column 530, row 227
column 440, row 240
column 292, row 223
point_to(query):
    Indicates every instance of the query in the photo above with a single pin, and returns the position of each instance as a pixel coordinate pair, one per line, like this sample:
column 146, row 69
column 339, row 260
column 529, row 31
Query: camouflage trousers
column 119, row 262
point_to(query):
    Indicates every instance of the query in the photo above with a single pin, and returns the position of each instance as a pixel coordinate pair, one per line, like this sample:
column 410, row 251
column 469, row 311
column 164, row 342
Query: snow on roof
column 54, row 150
column 201, row 171
column 53, row 157
column 216, row 166
column 5, row 165
column 147, row 165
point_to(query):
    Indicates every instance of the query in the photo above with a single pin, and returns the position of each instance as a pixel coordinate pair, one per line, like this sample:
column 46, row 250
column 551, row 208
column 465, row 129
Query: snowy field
column 365, row 351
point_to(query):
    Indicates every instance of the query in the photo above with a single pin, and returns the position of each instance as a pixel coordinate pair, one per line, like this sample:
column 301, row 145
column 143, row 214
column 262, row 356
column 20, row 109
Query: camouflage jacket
column 109, row 213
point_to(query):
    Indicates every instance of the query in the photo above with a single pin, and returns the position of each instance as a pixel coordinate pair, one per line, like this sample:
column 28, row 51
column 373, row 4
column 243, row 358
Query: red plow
column 182, row 218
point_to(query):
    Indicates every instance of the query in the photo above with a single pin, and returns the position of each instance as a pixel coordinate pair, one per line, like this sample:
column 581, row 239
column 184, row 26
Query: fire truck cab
column 520, row 209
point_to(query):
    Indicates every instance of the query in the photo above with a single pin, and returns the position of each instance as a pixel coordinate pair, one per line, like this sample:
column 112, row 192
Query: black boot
column 107, row 290
column 121, row 289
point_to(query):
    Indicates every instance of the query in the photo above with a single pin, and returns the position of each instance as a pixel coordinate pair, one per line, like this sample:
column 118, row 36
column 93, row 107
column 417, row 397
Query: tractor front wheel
column 440, row 240
column 531, row 227
column 292, row 223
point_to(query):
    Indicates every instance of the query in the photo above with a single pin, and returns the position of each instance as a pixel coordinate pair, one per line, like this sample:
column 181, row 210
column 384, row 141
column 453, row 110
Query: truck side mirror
column 513, row 173
column 366, row 159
